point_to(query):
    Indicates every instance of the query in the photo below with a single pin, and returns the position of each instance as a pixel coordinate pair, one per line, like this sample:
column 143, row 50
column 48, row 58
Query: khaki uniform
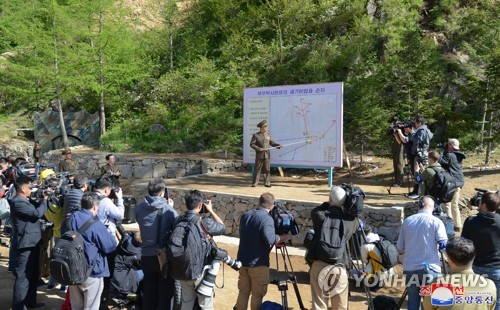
column 111, row 171
column 67, row 165
column 481, row 295
column 260, row 143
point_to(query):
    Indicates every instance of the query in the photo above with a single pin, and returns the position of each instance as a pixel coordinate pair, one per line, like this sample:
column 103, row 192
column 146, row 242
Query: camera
column 204, row 206
column 206, row 286
column 422, row 156
column 475, row 201
column 284, row 222
column 400, row 125
column 114, row 190
column 44, row 225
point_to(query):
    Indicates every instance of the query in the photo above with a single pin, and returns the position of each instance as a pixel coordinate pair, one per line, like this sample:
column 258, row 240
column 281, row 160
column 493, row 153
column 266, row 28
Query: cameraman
column 257, row 237
column 484, row 231
column 26, row 241
column 397, row 150
column 452, row 161
column 333, row 212
column 73, row 198
column 212, row 226
column 420, row 147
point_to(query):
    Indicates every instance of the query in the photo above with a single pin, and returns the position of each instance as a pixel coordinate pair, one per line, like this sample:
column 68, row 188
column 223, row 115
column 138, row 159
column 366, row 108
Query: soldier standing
column 111, row 170
column 67, row 163
column 261, row 141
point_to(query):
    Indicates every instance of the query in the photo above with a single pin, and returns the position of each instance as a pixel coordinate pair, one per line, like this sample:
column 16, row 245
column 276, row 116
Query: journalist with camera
column 451, row 161
column 190, row 251
column 484, row 231
column 396, row 130
column 257, row 237
column 27, row 237
column 328, row 251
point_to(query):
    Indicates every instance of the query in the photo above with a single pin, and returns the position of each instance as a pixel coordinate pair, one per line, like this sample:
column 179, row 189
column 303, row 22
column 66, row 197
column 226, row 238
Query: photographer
column 26, row 242
column 452, row 161
column 257, row 237
column 420, row 147
column 109, row 212
column 484, row 231
column 156, row 217
column 397, row 151
column 210, row 225
column 327, row 219
column 73, row 198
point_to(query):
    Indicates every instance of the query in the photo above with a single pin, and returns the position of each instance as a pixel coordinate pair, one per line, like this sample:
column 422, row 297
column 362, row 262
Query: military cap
column 64, row 152
column 262, row 124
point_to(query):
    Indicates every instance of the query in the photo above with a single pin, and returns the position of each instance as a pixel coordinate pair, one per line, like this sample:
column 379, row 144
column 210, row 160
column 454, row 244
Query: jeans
column 494, row 275
column 413, row 280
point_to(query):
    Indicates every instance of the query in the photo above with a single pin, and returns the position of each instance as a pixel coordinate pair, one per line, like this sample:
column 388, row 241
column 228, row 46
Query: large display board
column 305, row 119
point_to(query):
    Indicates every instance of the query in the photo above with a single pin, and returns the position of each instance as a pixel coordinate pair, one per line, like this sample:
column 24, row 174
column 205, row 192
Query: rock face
column 145, row 168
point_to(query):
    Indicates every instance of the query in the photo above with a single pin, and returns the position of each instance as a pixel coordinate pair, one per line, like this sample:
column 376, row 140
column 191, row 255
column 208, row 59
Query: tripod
column 290, row 276
column 405, row 292
column 354, row 248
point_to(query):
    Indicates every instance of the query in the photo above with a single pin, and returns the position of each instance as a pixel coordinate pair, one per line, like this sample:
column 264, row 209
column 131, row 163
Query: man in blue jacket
column 26, row 241
column 156, row 217
column 98, row 243
column 257, row 236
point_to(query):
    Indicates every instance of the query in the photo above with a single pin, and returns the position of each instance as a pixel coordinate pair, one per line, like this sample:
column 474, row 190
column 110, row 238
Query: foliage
column 439, row 59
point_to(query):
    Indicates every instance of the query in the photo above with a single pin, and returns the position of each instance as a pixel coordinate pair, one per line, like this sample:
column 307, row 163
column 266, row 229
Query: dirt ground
column 306, row 185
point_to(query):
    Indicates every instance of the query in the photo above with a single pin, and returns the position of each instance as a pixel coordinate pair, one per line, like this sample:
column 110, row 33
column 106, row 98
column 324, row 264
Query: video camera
column 284, row 222
column 476, row 199
column 218, row 255
column 400, row 125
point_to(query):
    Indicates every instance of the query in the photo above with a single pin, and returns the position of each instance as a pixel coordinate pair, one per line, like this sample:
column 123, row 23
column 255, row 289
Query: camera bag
column 68, row 264
column 443, row 187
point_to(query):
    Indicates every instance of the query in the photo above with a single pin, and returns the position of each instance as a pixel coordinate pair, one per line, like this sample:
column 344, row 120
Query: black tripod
column 354, row 252
column 405, row 292
column 290, row 276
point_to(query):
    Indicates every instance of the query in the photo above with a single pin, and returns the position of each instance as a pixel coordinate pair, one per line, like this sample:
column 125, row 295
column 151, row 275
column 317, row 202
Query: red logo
column 458, row 291
column 425, row 290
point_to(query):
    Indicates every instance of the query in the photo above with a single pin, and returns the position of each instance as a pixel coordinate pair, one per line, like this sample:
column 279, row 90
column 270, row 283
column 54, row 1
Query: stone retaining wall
column 230, row 208
column 146, row 168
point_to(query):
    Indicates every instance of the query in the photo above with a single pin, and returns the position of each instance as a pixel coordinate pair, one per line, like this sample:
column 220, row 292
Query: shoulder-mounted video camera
column 284, row 222
column 400, row 125
column 354, row 200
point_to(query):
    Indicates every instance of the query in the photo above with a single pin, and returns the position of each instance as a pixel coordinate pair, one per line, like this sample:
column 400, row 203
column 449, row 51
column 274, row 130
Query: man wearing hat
column 451, row 160
column 261, row 142
column 67, row 164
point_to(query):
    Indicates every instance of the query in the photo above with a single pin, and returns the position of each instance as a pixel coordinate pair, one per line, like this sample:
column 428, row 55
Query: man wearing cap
column 451, row 160
column 322, row 289
column 261, row 142
column 67, row 164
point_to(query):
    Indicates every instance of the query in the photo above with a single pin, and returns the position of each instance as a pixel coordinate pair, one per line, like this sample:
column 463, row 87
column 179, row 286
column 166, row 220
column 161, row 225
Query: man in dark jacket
column 156, row 217
column 257, row 236
column 484, row 231
column 420, row 147
column 261, row 142
column 338, row 295
column 98, row 242
column 26, row 241
column 73, row 199
column 452, row 161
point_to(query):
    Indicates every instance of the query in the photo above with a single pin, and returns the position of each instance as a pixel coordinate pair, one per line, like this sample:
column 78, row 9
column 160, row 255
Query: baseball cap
column 338, row 196
column 454, row 143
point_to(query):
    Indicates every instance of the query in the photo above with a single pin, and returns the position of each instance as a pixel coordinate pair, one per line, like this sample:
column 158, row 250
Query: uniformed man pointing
column 261, row 142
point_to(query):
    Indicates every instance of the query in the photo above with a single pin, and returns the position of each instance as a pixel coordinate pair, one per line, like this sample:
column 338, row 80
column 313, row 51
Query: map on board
column 305, row 119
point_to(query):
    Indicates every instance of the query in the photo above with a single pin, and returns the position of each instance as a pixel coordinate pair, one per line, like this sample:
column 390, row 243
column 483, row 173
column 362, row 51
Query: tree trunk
column 490, row 137
column 170, row 23
column 58, row 96
column 102, row 114
column 484, row 117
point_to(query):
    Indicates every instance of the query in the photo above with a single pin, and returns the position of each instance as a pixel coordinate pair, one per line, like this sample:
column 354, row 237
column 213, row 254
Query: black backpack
column 443, row 187
column 383, row 302
column 355, row 197
column 331, row 245
column 68, row 264
column 186, row 249
column 388, row 253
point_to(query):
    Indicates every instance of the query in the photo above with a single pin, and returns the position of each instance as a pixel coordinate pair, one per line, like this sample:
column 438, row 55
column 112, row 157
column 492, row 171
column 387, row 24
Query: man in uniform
column 67, row 164
column 397, row 150
column 261, row 141
column 111, row 169
column 37, row 151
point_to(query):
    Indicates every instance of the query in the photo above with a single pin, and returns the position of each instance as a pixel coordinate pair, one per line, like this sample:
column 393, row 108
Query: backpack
column 355, row 196
column 284, row 222
column 383, row 302
column 388, row 253
column 270, row 305
column 331, row 245
column 186, row 249
column 68, row 264
column 443, row 187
